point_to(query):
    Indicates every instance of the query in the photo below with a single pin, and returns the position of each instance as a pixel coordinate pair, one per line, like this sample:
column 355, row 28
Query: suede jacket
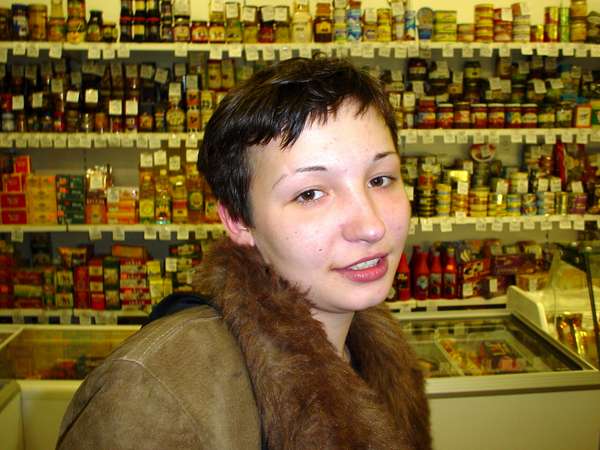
column 252, row 370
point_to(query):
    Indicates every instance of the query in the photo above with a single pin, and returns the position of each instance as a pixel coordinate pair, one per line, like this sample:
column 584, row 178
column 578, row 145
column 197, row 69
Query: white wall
column 465, row 8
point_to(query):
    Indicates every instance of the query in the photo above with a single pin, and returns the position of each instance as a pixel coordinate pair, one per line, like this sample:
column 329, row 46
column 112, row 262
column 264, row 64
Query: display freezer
column 496, row 381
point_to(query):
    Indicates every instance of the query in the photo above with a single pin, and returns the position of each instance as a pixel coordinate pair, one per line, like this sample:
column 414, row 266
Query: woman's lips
column 368, row 274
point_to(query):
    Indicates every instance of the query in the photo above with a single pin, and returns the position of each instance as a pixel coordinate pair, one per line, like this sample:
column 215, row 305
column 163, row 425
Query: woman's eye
column 380, row 181
column 309, row 196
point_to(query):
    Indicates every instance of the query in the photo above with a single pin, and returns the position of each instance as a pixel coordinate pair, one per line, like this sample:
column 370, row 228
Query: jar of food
column 266, row 30
column 159, row 117
column 250, row 25
column 139, row 29
column 537, row 33
column 462, row 115
column 199, row 32
column 445, row 115
column 479, row 115
column 146, row 119
column 496, row 115
column 323, row 24
column 472, row 70
column 153, row 29
column 175, row 118
column 472, row 92
column 72, row 120
column 166, row 30
column 578, row 8
column 56, row 29
column 86, row 123
column 215, row 80
column 583, row 115
column 426, row 113
column 126, row 29
column 417, row 69
column 216, row 32
column 384, row 25
column 94, row 27
column 5, row 24
column 529, row 115
column 578, row 30
column 109, row 32
column 564, row 115
column 38, row 15
column 131, row 122
column 513, row 115
column 193, row 119
column 101, row 124
column 8, row 121
column 20, row 23
column 116, row 124
column 546, row 116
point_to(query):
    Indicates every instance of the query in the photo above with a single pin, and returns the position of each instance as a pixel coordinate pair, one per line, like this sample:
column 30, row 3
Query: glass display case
column 58, row 352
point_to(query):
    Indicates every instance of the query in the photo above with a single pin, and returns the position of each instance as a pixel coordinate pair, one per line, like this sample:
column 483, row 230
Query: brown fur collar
column 307, row 396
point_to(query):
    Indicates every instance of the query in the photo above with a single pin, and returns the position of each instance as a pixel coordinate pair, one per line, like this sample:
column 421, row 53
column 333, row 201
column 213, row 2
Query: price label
column 564, row 224
column 118, row 234
column 568, row 49
column 411, row 137
column 16, row 234
column 528, row 224
column 100, row 142
column 33, row 51
column 542, row 185
column 582, row 137
column 115, row 107
column 95, row 233
column 153, row 142
column 515, row 137
column 478, row 138
column 427, row 138
column 550, row 139
column 108, row 53
column 123, row 51
column 527, row 49
column 467, row 290
column 19, row 49
column 556, row 83
column 497, row 226
column 160, row 158
column 251, row 53
column 504, row 51
column 485, row 51
column 94, row 53
column 72, row 96
column 581, row 51
column 216, row 52
column 462, row 138
column 514, row 226
column 248, row 14
column 127, row 142
column 281, row 14
column 446, row 226
column 46, row 141
column 191, row 155
column 495, row 84
column 493, row 137
column 285, row 53
column 60, row 141
column 449, row 137
column 161, row 76
column 462, row 188
column 18, row 102
column 174, row 163
column 412, row 229
column 235, row 51
column 20, row 142
column 174, row 141
column 146, row 160
column 531, row 138
column 425, row 50
column 426, row 225
column 552, row 51
column 545, row 225
column 481, row 225
column 305, row 51
column 539, row 86
column 267, row 13
column 555, row 185
column 579, row 225
column 577, row 187
column 412, row 50
column 268, row 53
column 201, row 233
column 355, row 49
column 400, row 52
column 170, row 264
column 131, row 107
column 56, row 85
column 447, row 51
column 567, row 138
column 181, row 50
column 91, row 96
column 55, row 51
column 164, row 234
column 183, row 234
column 37, row 99
column 150, row 233
column 85, row 141
column 384, row 51
column 595, row 51
column 368, row 51
column 467, row 51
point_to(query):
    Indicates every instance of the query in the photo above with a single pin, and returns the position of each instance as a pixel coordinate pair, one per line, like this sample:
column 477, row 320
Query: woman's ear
column 237, row 230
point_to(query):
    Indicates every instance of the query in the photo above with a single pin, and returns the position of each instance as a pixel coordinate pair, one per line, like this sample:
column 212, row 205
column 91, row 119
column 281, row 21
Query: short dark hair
column 277, row 103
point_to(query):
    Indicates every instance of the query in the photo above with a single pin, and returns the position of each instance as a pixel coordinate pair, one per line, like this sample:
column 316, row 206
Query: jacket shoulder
column 181, row 377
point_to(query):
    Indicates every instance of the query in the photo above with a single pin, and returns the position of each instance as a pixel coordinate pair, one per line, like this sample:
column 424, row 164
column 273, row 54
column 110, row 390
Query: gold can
column 537, row 33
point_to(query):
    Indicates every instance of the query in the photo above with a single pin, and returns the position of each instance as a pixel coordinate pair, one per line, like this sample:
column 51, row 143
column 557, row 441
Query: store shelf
column 412, row 305
column 99, row 140
column 493, row 136
column 400, row 49
column 151, row 232
column 72, row 316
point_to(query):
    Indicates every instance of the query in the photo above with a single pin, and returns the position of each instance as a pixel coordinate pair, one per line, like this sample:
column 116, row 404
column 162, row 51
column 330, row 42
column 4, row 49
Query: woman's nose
column 363, row 221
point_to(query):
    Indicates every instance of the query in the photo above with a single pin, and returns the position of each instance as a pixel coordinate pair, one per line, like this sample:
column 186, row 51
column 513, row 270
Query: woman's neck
column 336, row 328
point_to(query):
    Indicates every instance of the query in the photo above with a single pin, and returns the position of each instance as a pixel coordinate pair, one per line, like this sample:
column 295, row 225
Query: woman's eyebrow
column 302, row 170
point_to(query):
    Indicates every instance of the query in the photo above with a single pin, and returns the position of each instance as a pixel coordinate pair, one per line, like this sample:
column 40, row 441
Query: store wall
column 199, row 8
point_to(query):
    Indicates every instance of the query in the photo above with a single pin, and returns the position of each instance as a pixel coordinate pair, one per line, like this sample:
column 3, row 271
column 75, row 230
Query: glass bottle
column 323, row 25
column 449, row 277
column 301, row 23
column 403, row 279
column 435, row 276
column 94, row 27
column 421, row 277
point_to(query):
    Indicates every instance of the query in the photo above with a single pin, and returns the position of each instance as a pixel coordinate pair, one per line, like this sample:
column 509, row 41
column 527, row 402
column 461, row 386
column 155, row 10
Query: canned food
column 37, row 22
column 479, row 115
column 551, row 15
column 537, row 33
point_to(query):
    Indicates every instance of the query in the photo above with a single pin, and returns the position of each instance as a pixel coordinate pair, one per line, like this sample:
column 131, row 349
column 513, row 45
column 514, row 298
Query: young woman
column 292, row 348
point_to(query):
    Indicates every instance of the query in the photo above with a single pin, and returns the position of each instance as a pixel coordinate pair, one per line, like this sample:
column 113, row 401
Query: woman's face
column 330, row 212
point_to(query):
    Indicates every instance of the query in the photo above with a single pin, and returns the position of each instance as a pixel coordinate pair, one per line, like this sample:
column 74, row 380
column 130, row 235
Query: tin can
column 578, row 8
column 410, row 25
column 56, row 29
column 479, row 115
column 550, row 32
column 20, row 24
column 551, row 15
column 561, row 203
column 578, row 31
column 537, row 33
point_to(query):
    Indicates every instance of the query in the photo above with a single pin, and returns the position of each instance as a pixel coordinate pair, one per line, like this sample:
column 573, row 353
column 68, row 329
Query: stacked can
column 496, row 205
column 410, row 22
column 339, row 24
column 503, row 26
column 529, row 204
column 519, row 183
column 521, row 23
column 426, row 194
column 577, row 203
column 545, row 203
column 481, row 174
column 564, row 24
column 513, row 205
column 537, row 33
column 551, row 24
column 578, row 26
column 443, row 199
column 397, row 20
column 561, row 203
column 478, row 201
column 444, row 28
column 484, row 22
column 353, row 22
column 466, row 32
column 425, row 22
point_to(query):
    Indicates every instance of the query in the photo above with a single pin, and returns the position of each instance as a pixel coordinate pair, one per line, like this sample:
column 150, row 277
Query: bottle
column 435, row 276
column 421, row 277
column 450, row 282
column 323, row 25
column 403, row 279
column 414, row 259
column 301, row 23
